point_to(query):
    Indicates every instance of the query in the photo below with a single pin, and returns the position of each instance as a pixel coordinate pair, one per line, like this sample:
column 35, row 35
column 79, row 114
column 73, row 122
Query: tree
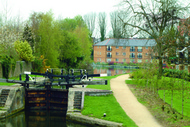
column 154, row 18
column 28, row 36
column 116, row 24
column 90, row 20
column 34, row 23
column 184, row 40
column 50, row 37
column 76, row 45
column 24, row 50
column 102, row 25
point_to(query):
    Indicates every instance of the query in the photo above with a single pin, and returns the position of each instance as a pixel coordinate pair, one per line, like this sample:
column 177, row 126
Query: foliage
column 182, row 74
column 75, row 46
column 7, row 37
column 50, row 39
column 8, row 63
column 167, row 87
column 102, row 25
column 28, row 36
column 24, row 50
column 39, row 64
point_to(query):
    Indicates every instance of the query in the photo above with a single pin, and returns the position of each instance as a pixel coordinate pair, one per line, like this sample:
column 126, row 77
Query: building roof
column 127, row 42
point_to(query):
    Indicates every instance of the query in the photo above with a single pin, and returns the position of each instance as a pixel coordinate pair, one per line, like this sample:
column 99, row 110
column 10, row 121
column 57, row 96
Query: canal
column 38, row 119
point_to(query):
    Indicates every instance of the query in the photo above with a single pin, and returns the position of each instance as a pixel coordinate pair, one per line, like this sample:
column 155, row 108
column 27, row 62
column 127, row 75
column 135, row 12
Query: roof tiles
column 127, row 42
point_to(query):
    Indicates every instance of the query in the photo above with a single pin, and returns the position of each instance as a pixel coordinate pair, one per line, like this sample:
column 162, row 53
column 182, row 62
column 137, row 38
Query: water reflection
column 38, row 119
column 111, row 71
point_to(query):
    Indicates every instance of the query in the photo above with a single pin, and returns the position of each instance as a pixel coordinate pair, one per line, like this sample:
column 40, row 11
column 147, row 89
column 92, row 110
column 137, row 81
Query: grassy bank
column 167, row 114
column 96, row 106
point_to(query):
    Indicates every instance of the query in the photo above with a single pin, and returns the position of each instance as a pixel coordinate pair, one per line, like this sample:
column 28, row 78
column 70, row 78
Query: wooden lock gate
column 48, row 98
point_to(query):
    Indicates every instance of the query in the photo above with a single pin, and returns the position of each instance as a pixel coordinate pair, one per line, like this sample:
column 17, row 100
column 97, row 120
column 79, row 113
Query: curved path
column 135, row 110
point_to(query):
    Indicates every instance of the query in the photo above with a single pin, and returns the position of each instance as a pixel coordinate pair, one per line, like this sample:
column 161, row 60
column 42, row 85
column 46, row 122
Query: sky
column 60, row 8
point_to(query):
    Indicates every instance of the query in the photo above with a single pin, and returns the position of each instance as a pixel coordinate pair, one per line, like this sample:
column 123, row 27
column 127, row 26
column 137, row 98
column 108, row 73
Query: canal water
column 38, row 119
column 112, row 71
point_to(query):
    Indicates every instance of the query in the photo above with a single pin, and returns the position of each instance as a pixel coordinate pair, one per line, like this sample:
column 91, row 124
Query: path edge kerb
column 78, row 117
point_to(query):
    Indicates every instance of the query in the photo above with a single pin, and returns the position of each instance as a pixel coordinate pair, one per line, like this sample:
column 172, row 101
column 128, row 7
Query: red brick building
column 124, row 50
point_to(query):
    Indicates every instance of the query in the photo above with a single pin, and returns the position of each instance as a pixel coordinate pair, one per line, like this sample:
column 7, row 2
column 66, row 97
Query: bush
column 39, row 64
column 24, row 50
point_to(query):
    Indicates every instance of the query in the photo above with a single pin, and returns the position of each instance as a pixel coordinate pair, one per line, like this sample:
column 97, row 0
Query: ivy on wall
column 7, row 63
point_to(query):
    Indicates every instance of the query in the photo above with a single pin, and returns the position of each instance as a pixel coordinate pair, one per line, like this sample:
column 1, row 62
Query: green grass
column 177, row 100
column 96, row 106
column 177, row 95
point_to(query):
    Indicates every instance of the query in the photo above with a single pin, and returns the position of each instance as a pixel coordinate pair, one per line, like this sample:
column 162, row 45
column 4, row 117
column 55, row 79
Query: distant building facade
column 124, row 50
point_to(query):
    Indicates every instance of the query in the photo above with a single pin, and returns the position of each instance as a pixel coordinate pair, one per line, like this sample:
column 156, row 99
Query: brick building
column 124, row 50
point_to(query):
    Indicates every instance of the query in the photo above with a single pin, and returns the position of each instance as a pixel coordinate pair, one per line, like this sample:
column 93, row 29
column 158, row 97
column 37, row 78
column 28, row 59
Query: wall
column 20, row 67
column 15, row 101
column 100, row 54
column 1, row 71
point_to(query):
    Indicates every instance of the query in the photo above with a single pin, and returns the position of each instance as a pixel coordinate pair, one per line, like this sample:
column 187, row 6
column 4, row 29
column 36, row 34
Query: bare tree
column 154, row 18
column 90, row 20
column 102, row 25
column 115, row 24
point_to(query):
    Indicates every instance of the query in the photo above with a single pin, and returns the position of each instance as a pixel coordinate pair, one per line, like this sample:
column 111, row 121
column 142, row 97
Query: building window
column 132, row 55
column 132, row 49
column 124, row 47
column 117, row 60
column 100, row 59
column 139, row 49
column 139, row 60
column 139, row 55
column 146, row 61
column 109, row 48
column 116, row 47
column 124, row 60
column 124, row 53
column 117, row 53
column 100, row 53
column 97, row 53
column 146, row 54
column 146, row 47
column 132, row 60
column 109, row 54
column 108, row 60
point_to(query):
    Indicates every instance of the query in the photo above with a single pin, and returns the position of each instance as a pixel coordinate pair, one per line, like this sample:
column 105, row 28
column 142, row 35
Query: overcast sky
column 63, row 8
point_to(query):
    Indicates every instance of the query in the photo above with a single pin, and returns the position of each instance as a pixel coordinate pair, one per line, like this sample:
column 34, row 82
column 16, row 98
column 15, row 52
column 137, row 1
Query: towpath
column 135, row 110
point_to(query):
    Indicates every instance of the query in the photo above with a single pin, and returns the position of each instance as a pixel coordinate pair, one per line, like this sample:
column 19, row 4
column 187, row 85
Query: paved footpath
column 135, row 110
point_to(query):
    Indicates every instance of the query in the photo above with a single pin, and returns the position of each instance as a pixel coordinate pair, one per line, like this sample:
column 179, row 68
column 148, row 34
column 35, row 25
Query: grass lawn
column 155, row 103
column 96, row 106
column 177, row 95
column 177, row 100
